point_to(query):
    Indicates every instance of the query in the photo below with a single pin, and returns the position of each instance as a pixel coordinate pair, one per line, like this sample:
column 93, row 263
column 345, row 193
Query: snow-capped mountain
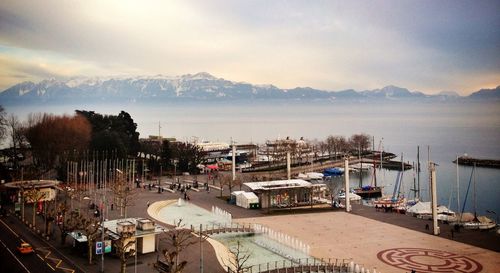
column 200, row 86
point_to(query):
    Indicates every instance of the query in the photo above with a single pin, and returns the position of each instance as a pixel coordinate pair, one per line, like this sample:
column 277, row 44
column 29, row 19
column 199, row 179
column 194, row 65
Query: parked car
column 25, row 248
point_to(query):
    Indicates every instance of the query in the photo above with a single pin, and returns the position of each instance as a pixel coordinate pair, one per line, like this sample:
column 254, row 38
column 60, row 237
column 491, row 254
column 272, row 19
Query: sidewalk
column 138, row 209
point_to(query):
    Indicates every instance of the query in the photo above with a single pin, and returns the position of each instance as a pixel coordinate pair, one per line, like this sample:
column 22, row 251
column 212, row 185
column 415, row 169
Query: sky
column 427, row 46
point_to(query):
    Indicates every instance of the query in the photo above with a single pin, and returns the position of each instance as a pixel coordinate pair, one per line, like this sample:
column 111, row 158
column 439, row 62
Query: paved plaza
column 385, row 241
column 374, row 244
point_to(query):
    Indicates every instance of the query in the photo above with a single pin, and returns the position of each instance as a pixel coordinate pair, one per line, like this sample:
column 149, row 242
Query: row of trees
column 331, row 147
column 335, row 145
column 51, row 140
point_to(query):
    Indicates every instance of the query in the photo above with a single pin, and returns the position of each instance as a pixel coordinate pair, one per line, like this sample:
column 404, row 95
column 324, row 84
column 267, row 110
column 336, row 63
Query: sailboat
column 370, row 191
column 481, row 222
column 395, row 201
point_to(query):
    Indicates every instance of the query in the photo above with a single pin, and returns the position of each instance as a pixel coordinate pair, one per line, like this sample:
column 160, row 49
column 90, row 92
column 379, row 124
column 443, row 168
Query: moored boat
column 369, row 191
column 333, row 171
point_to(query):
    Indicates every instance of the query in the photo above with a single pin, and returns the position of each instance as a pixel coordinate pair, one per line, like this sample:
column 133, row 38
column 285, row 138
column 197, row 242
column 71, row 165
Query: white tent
column 244, row 199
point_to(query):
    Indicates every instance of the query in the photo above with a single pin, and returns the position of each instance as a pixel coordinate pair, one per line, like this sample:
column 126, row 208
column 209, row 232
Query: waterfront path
column 361, row 235
column 378, row 244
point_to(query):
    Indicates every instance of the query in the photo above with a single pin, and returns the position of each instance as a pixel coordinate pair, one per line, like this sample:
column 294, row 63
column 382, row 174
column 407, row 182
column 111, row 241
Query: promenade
column 388, row 242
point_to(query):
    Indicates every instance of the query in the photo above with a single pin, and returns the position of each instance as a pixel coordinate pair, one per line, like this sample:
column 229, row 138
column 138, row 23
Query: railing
column 223, row 228
column 301, row 266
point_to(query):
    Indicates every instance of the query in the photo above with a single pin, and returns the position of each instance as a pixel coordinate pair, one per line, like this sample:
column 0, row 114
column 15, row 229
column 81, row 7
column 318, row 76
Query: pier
column 320, row 165
column 470, row 161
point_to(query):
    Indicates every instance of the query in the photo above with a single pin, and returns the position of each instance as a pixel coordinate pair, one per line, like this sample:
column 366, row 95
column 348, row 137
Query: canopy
column 244, row 199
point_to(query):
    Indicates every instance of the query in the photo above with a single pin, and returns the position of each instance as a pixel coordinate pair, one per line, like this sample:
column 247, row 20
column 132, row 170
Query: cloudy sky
column 428, row 46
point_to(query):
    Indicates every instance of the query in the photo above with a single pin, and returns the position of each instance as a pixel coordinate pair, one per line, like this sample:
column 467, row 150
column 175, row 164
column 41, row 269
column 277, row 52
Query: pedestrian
column 112, row 206
column 147, row 204
column 426, row 226
column 452, row 234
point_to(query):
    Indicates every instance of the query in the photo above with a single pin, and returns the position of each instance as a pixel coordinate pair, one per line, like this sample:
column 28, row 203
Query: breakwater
column 470, row 161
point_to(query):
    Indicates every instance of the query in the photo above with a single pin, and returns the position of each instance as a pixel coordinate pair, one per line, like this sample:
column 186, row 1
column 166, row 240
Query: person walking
column 147, row 204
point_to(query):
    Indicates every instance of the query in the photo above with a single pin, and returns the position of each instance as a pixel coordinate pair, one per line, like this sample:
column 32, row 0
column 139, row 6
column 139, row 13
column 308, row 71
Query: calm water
column 450, row 129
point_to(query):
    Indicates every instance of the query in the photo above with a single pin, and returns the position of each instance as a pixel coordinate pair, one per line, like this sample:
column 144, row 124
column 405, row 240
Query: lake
column 448, row 128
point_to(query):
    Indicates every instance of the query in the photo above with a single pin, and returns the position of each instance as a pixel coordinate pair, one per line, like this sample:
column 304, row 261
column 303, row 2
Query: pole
column 234, row 160
column 288, row 171
column 102, row 234
column 418, row 173
column 201, row 250
column 346, row 185
column 458, row 188
column 135, row 258
column 432, row 169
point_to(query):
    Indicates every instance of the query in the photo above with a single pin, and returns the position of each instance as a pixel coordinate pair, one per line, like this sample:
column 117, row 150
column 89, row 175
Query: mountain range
column 200, row 86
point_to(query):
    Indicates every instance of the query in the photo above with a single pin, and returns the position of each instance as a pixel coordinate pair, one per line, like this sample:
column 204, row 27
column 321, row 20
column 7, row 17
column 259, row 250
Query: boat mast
column 417, row 192
column 361, row 167
column 458, row 187
column 474, row 177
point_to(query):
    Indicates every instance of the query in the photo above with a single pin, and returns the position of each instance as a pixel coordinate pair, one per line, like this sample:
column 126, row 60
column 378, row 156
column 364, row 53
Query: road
column 43, row 260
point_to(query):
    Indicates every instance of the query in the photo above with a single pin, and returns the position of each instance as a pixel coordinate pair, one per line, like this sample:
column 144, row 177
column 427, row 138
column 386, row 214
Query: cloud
column 333, row 45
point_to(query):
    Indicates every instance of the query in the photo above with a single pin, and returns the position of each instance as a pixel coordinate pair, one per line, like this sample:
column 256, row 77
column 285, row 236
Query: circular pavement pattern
column 428, row 260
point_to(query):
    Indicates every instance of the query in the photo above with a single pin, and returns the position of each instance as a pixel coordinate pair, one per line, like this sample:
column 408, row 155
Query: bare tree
column 225, row 179
column 34, row 195
column 124, row 249
column 360, row 142
column 92, row 227
column 124, row 194
column 239, row 259
column 178, row 238
column 3, row 122
column 66, row 221
column 323, row 147
column 16, row 137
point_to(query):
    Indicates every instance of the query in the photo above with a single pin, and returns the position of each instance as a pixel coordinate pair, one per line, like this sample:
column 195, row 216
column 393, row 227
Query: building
column 142, row 229
column 286, row 193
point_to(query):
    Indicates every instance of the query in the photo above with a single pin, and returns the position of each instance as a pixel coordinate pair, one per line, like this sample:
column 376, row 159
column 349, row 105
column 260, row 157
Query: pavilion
column 286, row 193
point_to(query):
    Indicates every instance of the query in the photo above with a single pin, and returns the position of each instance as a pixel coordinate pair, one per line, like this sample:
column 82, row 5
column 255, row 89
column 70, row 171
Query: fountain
column 226, row 216
column 279, row 242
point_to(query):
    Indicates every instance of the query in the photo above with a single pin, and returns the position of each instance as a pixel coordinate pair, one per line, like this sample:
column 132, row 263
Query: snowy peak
column 390, row 92
column 199, row 76
column 199, row 86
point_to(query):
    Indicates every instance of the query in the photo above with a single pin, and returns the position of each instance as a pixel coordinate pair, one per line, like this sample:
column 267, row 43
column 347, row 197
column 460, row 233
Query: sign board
column 107, row 246
column 98, row 248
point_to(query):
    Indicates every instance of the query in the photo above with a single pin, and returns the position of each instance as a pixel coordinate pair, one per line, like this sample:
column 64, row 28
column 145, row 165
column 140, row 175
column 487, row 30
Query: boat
column 359, row 167
column 423, row 210
column 333, row 171
column 311, row 176
column 369, row 191
column 481, row 222
column 396, row 201
column 480, row 225
column 352, row 196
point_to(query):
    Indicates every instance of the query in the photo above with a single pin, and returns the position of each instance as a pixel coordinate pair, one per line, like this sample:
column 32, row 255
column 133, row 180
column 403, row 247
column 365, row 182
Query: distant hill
column 486, row 94
column 200, row 86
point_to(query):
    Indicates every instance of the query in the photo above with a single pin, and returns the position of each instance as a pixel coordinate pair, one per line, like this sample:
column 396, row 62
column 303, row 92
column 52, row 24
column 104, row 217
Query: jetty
column 320, row 165
column 471, row 161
